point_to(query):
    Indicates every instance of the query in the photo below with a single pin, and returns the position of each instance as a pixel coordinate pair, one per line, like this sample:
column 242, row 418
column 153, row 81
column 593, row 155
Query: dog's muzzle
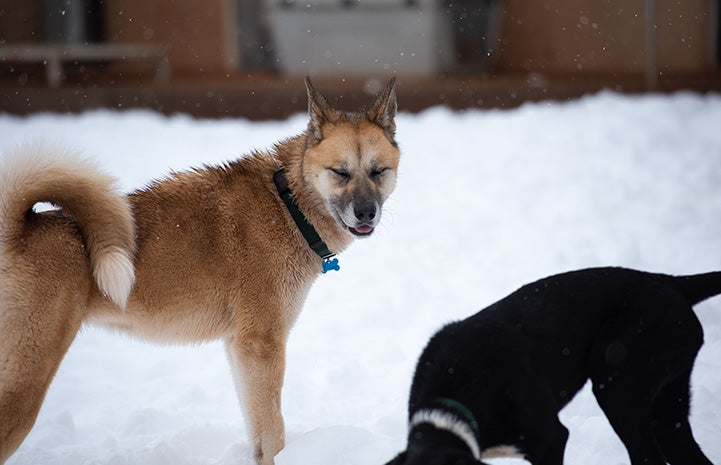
column 365, row 219
column 361, row 218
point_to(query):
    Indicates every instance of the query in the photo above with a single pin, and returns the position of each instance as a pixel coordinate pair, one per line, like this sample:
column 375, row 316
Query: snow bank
column 486, row 201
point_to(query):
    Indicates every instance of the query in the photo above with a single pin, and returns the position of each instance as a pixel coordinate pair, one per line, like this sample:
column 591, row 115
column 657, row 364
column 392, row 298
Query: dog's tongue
column 363, row 229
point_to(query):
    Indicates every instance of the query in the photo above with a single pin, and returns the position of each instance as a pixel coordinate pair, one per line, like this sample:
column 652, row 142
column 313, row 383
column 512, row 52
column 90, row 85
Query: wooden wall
column 200, row 35
column 602, row 36
column 21, row 21
column 554, row 36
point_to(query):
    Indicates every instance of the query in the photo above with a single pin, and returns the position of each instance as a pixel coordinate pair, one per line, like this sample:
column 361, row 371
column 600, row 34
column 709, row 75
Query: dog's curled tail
column 36, row 173
column 698, row 287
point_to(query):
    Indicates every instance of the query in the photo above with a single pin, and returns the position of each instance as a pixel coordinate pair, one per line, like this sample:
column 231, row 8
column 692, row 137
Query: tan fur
column 205, row 254
column 502, row 451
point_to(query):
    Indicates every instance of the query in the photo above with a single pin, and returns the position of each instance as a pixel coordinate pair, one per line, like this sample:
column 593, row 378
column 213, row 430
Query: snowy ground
column 486, row 201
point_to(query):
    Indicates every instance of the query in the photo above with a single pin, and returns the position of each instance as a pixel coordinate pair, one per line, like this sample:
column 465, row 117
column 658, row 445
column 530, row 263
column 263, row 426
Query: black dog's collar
column 460, row 409
column 453, row 417
column 306, row 229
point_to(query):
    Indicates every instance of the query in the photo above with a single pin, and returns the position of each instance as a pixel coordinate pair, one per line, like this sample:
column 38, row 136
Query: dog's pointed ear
column 383, row 110
column 399, row 459
column 319, row 112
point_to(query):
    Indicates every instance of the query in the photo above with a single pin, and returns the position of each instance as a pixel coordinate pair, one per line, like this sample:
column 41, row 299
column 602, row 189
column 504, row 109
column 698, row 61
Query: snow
column 486, row 201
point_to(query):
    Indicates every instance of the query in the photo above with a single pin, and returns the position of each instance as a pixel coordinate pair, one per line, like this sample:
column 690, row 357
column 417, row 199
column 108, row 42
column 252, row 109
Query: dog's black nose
column 365, row 212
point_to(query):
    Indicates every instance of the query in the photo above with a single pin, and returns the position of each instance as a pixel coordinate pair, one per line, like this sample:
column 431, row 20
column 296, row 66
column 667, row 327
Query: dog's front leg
column 258, row 365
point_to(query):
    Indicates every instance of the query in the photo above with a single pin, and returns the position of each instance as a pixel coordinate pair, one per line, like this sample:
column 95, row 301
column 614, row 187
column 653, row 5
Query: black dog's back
column 561, row 315
column 516, row 363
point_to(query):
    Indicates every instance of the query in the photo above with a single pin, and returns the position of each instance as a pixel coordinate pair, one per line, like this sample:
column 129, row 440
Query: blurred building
column 463, row 53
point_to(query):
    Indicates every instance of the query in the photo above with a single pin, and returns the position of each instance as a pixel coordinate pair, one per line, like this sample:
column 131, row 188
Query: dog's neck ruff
column 306, row 229
column 453, row 420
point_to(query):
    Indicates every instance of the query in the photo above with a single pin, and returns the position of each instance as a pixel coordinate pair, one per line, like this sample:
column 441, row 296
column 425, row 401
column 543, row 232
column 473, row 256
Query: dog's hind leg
column 35, row 333
column 673, row 431
column 624, row 383
column 258, row 365
column 653, row 341
column 628, row 409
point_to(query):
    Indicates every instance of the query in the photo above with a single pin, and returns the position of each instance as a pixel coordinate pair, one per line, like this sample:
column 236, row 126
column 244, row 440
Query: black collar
column 306, row 229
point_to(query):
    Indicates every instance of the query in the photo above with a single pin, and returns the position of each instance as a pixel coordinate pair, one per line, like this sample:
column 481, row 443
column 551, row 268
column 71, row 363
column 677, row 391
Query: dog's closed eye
column 376, row 171
column 340, row 173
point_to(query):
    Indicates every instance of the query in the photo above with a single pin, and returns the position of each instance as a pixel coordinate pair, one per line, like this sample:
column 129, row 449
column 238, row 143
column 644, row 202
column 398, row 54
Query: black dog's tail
column 698, row 287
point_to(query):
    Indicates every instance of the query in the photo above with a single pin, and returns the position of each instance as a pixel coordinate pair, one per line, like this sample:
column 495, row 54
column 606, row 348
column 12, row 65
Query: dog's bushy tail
column 36, row 173
column 698, row 287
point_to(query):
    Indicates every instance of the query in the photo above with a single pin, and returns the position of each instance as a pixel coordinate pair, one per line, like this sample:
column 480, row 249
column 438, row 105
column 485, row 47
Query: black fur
column 517, row 363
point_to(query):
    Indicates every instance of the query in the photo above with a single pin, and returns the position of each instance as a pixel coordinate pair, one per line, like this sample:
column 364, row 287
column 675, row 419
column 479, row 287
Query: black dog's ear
column 383, row 110
column 399, row 459
column 319, row 112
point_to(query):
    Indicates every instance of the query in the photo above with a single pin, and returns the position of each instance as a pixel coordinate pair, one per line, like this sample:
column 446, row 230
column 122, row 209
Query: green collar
column 306, row 229
column 461, row 409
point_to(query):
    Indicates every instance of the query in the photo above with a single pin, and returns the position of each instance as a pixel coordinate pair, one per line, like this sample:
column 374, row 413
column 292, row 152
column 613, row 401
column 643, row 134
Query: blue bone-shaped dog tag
column 330, row 264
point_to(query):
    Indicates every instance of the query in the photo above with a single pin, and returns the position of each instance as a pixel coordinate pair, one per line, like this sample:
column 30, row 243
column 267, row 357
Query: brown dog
column 210, row 253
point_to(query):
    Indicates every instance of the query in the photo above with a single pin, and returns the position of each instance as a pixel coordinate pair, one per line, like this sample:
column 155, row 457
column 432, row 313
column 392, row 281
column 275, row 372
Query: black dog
column 500, row 377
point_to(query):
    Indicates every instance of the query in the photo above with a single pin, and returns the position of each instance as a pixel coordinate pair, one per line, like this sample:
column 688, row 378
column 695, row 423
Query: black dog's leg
column 673, row 432
column 653, row 340
column 624, row 384
column 628, row 409
column 554, row 437
column 544, row 436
